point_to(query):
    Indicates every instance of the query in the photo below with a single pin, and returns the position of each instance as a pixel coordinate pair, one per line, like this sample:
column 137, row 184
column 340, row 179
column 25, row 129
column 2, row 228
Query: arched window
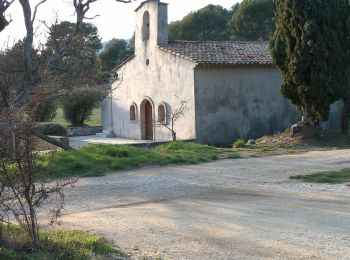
column 162, row 118
column 133, row 112
column 145, row 26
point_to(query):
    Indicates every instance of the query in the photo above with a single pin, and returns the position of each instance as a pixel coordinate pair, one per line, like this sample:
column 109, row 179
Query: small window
column 145, row 26
column 147, row 62
column 133, row 112
column 162, row 114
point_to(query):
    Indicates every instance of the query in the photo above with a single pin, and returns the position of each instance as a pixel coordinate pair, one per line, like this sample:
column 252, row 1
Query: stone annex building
column 231, row 88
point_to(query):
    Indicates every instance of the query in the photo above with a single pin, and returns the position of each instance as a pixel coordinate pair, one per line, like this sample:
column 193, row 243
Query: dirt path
column 246, row 208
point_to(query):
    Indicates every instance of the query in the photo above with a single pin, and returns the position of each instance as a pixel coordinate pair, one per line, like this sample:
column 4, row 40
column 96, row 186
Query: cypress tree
column 310, row 48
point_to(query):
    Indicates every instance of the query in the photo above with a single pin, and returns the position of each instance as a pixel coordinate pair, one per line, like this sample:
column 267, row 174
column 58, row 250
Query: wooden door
column 149, row 121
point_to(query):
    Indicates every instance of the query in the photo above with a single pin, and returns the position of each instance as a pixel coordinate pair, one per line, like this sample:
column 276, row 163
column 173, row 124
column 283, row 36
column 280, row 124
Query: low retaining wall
column 157, row 143
column 83, row 130
column 62, row 139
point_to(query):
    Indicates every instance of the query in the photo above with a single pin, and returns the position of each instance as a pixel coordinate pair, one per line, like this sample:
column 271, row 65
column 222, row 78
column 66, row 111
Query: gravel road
column 230, row 209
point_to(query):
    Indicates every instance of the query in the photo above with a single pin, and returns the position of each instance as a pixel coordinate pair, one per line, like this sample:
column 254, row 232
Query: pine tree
column 310, row 47
column 253, row 20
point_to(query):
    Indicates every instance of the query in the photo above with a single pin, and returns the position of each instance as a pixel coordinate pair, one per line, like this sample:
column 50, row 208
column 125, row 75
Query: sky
column 115, row 20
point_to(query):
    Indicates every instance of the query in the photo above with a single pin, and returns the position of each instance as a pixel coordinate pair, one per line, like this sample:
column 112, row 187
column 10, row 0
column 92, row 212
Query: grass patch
column 330, row 177
column 96, row 160
column 240, row 143
column 55, row 245
column 94, row 121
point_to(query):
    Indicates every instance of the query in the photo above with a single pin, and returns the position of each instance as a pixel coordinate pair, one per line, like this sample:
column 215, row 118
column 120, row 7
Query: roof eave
column 178, row 54
column 124, row 62
column 228, row 65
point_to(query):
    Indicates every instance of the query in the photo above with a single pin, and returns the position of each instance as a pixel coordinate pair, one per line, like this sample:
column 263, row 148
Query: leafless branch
column 36, row 9
column 92, row 18
column 45, row 24
column 23, row 184
column 4, row 5
column 28, row 76
column 171, row 116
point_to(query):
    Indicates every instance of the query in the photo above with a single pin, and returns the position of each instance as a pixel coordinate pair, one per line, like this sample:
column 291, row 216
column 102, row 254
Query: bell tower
column 151, row 26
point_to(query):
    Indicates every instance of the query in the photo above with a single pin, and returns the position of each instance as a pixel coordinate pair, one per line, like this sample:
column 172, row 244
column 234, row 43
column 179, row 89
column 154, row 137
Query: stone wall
column 83, row 130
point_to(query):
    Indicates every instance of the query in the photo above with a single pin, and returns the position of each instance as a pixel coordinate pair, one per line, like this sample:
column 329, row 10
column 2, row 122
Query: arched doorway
column 147, row 120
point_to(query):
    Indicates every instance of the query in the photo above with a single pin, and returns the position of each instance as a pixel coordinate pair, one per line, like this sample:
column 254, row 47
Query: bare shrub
column 24, row 186
column 169, row 117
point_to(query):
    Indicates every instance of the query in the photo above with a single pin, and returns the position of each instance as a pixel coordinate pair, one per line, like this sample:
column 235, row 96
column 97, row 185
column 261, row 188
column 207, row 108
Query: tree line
column 249, row 20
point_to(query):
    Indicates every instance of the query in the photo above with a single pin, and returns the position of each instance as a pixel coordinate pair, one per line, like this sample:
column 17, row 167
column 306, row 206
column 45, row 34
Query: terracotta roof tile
column 226, row 53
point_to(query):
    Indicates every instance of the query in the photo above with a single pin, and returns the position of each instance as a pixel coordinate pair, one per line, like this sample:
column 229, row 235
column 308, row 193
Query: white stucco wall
column 334, row 120
column 166, row 77
column 106, row 113
column 239, row 103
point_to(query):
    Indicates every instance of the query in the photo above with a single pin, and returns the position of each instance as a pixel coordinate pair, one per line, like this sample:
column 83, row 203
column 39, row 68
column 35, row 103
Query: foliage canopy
column 206, row 24
column 115, row 52
column 310, row 47
column 59, row 33
column 253, row 20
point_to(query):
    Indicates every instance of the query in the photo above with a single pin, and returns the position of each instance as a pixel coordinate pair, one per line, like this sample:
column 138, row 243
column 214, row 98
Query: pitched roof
column 124, row 61
column 222, row 53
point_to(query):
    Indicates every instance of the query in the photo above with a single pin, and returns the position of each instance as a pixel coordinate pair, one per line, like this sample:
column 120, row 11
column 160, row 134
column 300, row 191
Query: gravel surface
column 230, row 209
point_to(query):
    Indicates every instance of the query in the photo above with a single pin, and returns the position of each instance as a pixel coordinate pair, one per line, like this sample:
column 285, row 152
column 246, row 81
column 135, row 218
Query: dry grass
column 56, row 245
column 307, row 140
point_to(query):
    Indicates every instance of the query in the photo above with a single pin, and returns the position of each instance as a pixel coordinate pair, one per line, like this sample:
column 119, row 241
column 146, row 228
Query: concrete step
column 107, row 133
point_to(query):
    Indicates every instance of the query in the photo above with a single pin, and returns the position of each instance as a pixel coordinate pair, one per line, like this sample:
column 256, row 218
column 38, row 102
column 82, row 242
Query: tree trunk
column 345, row 116
column 3, row 22
column 308, row 119
column 33, row 225
column 174, row 136
column 1, row 231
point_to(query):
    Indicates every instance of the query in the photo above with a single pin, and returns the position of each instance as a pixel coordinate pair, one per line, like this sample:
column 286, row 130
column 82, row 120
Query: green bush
column 79, row 104
column 239, row 143
column 53, row 129
column 46, row 112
